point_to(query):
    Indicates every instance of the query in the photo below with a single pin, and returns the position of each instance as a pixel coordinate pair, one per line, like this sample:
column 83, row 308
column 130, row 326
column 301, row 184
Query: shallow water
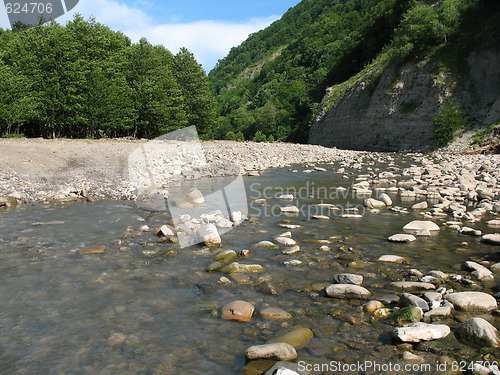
column 144, row 307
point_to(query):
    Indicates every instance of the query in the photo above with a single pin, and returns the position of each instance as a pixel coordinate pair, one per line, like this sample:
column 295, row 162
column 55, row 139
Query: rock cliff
column 394, row 109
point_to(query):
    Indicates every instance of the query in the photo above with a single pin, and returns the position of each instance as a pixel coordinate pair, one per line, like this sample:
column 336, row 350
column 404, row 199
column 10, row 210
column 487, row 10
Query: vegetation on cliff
column 274, row 83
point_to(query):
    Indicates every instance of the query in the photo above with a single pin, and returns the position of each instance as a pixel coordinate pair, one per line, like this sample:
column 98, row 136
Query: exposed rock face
column 396, row 111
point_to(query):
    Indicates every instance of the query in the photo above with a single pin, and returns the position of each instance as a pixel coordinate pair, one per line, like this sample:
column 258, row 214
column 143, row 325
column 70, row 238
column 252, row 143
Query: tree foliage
column 85, row 80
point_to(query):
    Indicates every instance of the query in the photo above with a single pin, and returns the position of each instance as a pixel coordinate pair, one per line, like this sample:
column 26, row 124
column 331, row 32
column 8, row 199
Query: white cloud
column 209, row 40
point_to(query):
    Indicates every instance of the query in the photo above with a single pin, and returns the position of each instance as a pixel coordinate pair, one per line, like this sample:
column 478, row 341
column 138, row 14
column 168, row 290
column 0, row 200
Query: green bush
column 448, row 121
column 259, row 137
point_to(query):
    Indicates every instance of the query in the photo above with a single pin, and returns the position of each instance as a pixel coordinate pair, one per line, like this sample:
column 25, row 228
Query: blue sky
column 209, row 29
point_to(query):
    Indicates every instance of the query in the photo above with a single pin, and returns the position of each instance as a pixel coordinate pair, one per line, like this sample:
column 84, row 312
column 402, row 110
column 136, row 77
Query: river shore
column 34, row 170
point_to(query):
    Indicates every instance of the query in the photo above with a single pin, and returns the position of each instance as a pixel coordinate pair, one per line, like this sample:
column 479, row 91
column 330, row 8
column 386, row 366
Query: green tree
column 448, row 121
column 199, row 101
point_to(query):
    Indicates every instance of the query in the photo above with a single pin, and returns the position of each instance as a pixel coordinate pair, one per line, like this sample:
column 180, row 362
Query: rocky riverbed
column 384, row 258
column 35, row 170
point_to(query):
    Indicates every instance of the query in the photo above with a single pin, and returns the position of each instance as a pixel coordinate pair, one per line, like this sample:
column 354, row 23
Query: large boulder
column 478, row 332
column 471, row 301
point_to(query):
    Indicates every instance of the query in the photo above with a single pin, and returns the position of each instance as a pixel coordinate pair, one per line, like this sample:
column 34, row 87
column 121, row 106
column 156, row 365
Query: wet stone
column 347, row 291
column 417, row 332
column 275, row 313
column 296, row 337
column 472, row 301
column 238, row 310
column 348, row 278
column 274, row 351
column 478, row 332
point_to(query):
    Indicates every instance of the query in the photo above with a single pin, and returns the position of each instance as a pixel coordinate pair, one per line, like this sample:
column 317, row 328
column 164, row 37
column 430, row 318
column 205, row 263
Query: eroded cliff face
column 397, row 113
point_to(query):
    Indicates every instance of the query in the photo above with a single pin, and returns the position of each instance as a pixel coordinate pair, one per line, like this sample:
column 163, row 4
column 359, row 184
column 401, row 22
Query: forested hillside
column 272, row 86
column 85, row 80
column 272, row 83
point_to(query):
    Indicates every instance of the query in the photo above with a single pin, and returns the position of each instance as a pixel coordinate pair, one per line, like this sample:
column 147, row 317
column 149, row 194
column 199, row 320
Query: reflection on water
column 140, row 308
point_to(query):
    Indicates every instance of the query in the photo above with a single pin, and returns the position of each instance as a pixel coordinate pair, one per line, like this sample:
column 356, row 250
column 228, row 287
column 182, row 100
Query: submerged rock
column 296, row 337
column 247, row 268
column 412, row 285
column 275, row 313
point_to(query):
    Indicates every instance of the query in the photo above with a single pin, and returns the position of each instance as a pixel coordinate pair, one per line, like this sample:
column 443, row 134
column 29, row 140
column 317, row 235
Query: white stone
column 402, row 238
column 286, row 241
column 290, row 209
column 275, row 351
column 417, row 332
column 421, row 224
column 480, row 271
column 391, row 258
column 385, row 198
column 493, row 239
column 347, row 291
column 373, row 203
column 209, row 235
column 289, row 197
column 470, row 301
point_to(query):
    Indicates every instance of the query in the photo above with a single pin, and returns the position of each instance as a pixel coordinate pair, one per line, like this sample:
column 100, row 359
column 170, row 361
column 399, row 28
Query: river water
column 145, row 307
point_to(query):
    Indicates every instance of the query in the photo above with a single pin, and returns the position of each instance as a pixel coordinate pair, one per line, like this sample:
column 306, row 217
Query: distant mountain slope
column 270, row 86
column 365, row 75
